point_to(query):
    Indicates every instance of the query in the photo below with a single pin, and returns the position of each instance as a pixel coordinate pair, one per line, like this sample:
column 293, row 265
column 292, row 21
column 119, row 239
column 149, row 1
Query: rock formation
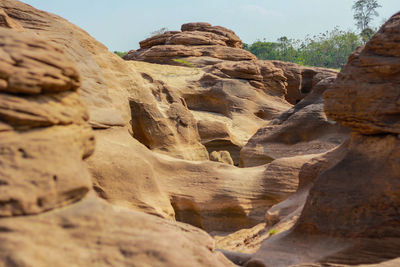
column 105, row 155
column 231, row 96
column 302, row 130
column 156, row 105
column 40, row 110
column 44, row 137
column 350, row 216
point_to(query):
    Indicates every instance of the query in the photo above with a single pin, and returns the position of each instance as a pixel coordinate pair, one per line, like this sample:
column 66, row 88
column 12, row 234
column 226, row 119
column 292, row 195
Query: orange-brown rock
column 38, row 91
column 192, row 188
column 102, row 89
column 302, row 171
column 233, row 39
column 300, row 79
column 227, row 111
column 197, row 38
column 158, row 39
column 167, row 54
column 168, row 95
column 303, row 129
column 274, row 79
column 7, row 22
column 350, row 216
column 221, row 156
column 365, row 95
column 41, row 170
column 246, row 70
column 92, row 232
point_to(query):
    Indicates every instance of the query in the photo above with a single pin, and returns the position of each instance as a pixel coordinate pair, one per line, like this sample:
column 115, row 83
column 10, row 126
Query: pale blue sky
column 121, row 24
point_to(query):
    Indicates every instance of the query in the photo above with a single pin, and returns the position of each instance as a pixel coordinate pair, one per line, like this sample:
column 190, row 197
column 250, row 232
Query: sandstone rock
column 341, row 233
column 366, row 156
column 7, row 22
column 273, row 79
column 39, row 92
column 41, row 169
column 362, row 97
column 31, row 66
column 349, row 217
column 105, row 80
column 93, row 232
column 192, row 188
column 221, row 156
column 166, row 54
column 233, row 40
column 227, row 111
column 301, row 80
column 304, row 129
column 215, row 136
column 197, row 38
column 247, row 70
column 159, row 39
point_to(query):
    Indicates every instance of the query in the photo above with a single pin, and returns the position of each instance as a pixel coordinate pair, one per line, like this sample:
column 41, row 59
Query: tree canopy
column 329, row 49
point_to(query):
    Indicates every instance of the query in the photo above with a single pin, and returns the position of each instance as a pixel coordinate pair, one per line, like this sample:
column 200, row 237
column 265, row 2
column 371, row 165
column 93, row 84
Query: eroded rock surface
column 302, row 130
column 350, row 216
column 156, row 125
column 117, row 92
column 39, row 110
column 45, row 136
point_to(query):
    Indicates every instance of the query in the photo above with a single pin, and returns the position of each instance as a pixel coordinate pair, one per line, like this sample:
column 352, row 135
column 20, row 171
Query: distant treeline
column 329, row 49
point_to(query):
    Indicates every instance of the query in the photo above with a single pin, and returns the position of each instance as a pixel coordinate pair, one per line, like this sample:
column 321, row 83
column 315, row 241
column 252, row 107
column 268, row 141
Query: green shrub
column 121, row 54
column 329, row 49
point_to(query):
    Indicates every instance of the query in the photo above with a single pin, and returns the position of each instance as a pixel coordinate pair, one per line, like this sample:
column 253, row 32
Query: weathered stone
column 221, row 156
column 92, row 232
column 300, row 79
column 303, row 129
column 365, row 95
column 233, row 40
column 39, row 91
column 158, row 39
column 7, row 22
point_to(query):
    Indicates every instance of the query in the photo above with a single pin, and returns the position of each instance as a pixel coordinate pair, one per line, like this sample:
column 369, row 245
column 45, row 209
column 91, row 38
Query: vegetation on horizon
column 121, row 54
column 329, row 49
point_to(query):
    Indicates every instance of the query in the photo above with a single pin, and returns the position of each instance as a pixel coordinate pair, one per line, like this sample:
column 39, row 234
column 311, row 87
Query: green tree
column 364, row 11
column 329, row 49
